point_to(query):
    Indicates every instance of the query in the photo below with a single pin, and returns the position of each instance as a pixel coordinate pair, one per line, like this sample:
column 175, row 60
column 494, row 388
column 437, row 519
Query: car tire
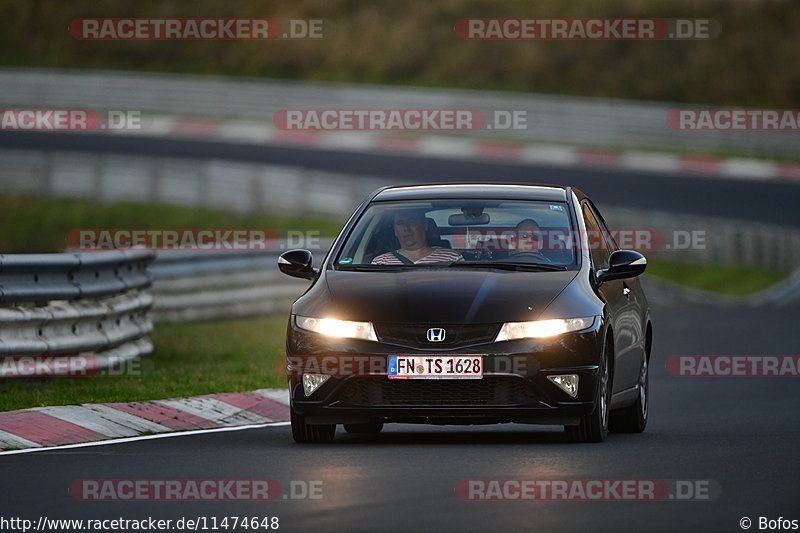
column 316, row 433
column 594, row 426
column 633, row 419
column 369, row 427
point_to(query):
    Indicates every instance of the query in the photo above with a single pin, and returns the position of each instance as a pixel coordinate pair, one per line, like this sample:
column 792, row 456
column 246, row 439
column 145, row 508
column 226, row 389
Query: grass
column 39, row 225
column 724, row 279
column 751, row 63
column 188, row 360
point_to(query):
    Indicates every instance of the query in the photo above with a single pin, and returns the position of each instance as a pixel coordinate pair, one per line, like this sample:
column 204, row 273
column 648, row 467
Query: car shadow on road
column 447, row 435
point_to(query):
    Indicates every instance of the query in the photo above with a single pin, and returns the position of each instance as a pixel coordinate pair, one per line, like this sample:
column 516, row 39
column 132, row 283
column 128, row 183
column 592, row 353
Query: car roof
column 499, row 191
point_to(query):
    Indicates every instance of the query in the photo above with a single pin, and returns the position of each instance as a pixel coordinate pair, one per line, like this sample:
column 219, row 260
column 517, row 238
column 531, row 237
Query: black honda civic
column 470, row 304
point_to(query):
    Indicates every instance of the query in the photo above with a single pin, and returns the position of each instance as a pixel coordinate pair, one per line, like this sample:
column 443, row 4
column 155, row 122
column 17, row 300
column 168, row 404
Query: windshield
column 460, row 232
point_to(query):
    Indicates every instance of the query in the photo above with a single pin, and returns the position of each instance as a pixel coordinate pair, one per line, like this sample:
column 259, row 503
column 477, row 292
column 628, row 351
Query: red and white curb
column 72, row 424
column 260, row 133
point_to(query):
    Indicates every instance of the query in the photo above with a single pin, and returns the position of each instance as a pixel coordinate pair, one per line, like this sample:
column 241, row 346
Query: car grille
column 415, row 335
column 499, row 390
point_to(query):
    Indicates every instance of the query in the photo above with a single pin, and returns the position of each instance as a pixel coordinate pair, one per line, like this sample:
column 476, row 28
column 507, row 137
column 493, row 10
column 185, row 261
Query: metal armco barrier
column 91, row 304
column 204, row 285
column 45, row 277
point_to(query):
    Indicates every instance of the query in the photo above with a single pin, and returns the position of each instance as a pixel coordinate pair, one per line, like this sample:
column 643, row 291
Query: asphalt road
column 770, row 201
column 741, row 434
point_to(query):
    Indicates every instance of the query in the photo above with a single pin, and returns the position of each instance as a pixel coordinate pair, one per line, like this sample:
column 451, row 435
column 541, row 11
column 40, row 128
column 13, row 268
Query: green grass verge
column 39, row 225
column 188, row 360
column 725, row 279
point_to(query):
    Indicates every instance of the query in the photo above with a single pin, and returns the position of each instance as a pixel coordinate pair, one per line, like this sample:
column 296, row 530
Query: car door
column 614, row 296
column 629, row 335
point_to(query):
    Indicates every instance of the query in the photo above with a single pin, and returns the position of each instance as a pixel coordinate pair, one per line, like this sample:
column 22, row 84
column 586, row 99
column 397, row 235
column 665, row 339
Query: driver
column 528, row 233
column 411, row 230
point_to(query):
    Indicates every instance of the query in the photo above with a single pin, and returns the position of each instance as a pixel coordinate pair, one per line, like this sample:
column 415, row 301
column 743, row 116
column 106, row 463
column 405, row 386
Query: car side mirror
column 622, row 264
column 297, row 263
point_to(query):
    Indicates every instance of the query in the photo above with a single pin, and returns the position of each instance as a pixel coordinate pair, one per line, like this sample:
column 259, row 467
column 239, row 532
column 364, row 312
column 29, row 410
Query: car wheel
column 370, row 427
column 303, row 432
column 594, row 427
column 633, row 419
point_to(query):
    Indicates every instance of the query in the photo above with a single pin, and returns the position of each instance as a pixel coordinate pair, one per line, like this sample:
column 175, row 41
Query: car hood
column 443, row 296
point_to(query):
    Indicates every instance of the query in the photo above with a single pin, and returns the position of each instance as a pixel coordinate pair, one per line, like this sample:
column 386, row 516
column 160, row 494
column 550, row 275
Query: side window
column 598, row 247
column 612, row 243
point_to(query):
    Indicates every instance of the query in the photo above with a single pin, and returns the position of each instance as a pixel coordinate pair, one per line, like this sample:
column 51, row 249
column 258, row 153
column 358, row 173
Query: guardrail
column 76, row 305
column 203, row 285
column 721, row 241
column 590, row 122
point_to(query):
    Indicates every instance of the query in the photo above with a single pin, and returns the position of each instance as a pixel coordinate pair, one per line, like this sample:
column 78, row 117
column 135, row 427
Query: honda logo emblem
column 436, row 334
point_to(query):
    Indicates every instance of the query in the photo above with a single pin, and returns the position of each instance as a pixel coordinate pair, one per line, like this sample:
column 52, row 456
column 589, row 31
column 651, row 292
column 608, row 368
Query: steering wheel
column 536, row 255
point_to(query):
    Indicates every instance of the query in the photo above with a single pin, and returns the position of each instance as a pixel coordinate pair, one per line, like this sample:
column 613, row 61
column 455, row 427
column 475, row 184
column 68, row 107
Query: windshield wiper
column 506, row 265
column 503, row 265
column 371, row 268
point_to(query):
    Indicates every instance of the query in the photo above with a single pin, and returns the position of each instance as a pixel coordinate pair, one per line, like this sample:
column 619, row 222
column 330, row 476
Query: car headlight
column 337, row 328
column 539, row 329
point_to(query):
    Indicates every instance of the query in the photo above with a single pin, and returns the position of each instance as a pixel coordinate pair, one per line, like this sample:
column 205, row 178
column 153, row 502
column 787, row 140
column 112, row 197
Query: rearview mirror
column 297, row 263
column 623, row 264
column 468, row 220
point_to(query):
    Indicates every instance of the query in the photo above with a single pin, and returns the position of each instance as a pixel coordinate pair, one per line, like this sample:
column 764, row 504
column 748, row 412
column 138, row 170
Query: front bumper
column 514, row 387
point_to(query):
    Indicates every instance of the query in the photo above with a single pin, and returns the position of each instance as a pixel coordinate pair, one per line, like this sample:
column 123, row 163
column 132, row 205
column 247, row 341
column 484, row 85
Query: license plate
column 435, row 367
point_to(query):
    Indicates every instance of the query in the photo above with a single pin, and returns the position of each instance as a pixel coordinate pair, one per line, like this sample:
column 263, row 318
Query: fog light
column 566, row 382
column 312, row 382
